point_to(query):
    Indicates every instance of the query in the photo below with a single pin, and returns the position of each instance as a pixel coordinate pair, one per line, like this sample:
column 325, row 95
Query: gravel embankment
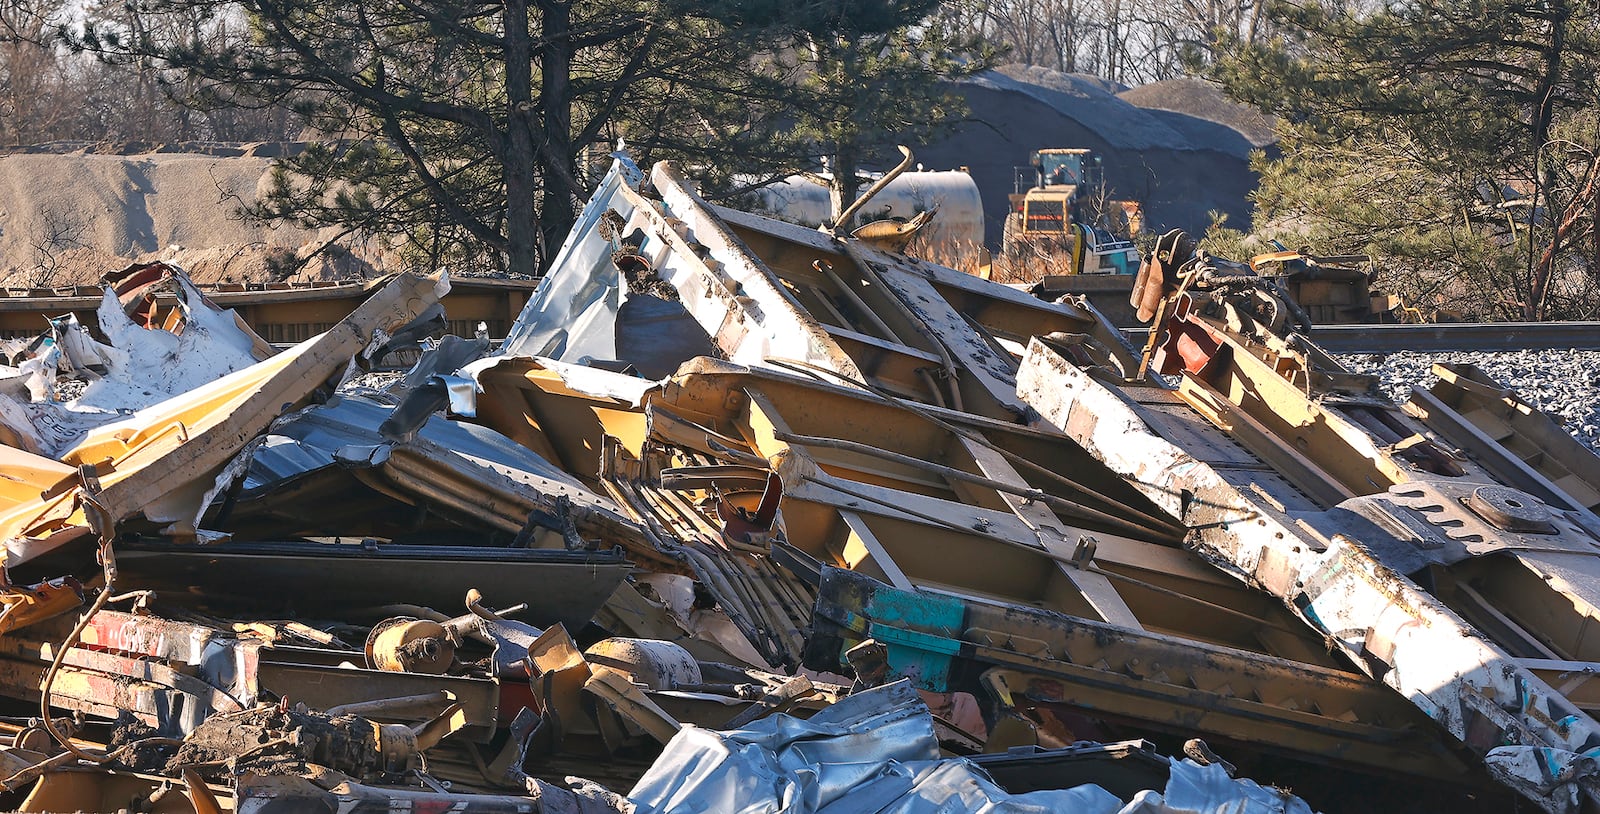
column 1564, row 383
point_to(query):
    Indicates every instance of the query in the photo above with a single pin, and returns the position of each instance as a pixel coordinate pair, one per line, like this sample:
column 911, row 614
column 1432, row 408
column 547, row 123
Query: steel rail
column 1448, row 336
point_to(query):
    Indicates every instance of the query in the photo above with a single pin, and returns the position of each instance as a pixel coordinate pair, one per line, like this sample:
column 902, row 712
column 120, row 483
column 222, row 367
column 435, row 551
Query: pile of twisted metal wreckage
column 743, row 516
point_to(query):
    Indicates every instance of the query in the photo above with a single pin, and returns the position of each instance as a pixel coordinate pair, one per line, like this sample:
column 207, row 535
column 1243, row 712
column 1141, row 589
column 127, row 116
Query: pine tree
column 1439, row 132
column 460, row 124
column 858, row 93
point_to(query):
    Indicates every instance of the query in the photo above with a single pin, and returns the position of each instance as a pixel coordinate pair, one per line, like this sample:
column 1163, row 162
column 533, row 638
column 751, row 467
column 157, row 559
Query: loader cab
column 1057, row 168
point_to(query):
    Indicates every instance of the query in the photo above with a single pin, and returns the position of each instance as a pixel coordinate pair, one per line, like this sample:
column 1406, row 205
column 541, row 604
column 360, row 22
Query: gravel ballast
column 1563, row 383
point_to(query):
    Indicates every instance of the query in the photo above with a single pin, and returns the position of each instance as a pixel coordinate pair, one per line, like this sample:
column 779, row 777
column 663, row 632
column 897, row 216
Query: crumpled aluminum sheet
column 572, row 313
column 1195, row 789
column 1545, row 772
column 875, row 752
column 312, row 438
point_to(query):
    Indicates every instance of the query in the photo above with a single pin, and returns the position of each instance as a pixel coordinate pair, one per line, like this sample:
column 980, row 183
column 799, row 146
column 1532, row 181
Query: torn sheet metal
column 165, row 462
column 150, row 357
column 572, row 314
column 761, row 290
column 312, row 438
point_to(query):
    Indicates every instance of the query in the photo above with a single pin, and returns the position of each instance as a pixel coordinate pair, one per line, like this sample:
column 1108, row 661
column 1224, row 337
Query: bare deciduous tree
column 1127, row 41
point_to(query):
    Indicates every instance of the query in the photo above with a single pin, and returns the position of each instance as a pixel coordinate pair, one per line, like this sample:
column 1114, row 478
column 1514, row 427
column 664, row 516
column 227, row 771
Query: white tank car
column 803, row 199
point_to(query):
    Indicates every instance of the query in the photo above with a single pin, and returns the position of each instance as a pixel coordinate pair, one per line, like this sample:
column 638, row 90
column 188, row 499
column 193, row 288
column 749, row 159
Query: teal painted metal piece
column 922, row 632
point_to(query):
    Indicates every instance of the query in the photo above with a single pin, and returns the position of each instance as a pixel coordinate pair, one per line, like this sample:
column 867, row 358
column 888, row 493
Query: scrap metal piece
column 559, row 673
column 21, row 606
column 507, row 765
column 165, row 462
column 558, row 585
column 404, row 645
column 200, row 794
column 785, row 696
column 631, row 702
column 71, row 788
column 327, row 791
column 275, row 740
column 1027, row 658
column 325, row 680
column 168, row 675
column 745, row 527
column 1397, row 632
column 654, row 664
column 917, row 329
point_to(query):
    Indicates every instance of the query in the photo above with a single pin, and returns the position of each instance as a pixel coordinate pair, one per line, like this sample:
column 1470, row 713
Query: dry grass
column 1023, row 267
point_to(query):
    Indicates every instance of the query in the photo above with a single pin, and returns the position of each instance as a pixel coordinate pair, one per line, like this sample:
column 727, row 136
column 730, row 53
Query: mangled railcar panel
column 992, row 555
column 1381, row 620
column 170, row 676
column 528, row 401
column 732, row 293
column 897, row 328
column 29, row 486
column 900, row 492
column 195, row 434
column 1535, row 595
column 448, row 482
column 898, row 348
column 1411, row 500
column 1520, row 444
column 977, row 369
column 893, row 442
column 1059, row 671
column 859, row 290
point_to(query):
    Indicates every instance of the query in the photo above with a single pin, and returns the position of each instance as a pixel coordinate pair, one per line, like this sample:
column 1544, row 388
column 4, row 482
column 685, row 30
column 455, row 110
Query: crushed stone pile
column 1564, row 383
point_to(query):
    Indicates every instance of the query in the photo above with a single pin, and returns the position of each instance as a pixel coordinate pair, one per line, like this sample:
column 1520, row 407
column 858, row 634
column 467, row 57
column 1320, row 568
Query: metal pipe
column 847, row 214
column 1059, row 504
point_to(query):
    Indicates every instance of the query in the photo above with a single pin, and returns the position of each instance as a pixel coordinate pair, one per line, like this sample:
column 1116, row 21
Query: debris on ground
column 743, row 516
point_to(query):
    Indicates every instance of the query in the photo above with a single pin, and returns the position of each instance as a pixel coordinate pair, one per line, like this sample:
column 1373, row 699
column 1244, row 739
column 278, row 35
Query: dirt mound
column 67, row 219
column 1174, row 147
column 1091, row 101
column 69, row 212
column 1199, row 99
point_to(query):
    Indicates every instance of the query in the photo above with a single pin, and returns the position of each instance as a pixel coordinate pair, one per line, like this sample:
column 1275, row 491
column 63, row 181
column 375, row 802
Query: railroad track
column 1453, row 336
